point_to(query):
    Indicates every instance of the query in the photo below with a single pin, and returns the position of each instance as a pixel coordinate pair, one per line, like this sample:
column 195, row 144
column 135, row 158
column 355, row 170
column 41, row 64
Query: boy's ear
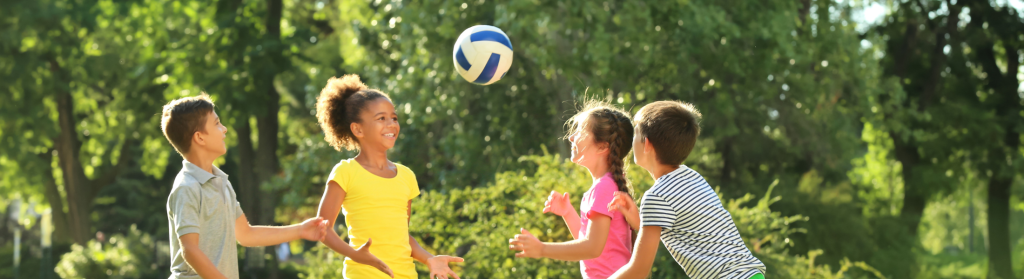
column 648, row 146
column 197, row 138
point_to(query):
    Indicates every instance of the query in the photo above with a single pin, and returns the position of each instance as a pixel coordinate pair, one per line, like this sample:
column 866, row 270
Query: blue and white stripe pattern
column 696, row 228
column 482, row 54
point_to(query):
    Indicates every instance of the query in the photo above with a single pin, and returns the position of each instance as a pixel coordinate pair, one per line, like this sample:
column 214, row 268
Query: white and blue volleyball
column 482, row 54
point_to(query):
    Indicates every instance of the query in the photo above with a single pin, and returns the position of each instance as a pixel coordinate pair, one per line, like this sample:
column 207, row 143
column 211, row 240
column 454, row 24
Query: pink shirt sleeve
column 604, row 191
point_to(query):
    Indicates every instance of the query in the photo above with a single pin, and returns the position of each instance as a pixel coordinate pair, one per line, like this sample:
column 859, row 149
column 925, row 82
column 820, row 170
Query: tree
column 955, row 96
column 77, row 96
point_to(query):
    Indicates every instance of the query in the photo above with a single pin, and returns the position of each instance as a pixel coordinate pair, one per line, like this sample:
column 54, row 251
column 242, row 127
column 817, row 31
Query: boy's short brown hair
column 672, row 127
column 182, row 118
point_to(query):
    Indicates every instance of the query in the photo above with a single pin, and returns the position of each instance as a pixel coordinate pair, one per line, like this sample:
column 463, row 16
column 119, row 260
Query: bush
column 124, row 256
column 476, row 223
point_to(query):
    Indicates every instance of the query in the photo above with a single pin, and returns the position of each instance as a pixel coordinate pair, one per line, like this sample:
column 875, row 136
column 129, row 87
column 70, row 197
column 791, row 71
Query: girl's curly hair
column 339, row 105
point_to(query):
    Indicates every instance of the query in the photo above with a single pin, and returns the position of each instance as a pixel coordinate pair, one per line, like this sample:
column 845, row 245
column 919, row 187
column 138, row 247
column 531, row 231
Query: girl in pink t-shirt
column 601, row 136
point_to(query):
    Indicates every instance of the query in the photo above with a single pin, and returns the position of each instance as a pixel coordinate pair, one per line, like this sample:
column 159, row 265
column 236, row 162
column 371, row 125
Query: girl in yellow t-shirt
column 374, row 193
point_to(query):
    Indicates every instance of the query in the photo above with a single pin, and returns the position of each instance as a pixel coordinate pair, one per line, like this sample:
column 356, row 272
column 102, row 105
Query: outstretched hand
column 623, row 203
column 530, row 246
column 439, row 267
column 313, row 229
column 363, row 256
column 558, row 204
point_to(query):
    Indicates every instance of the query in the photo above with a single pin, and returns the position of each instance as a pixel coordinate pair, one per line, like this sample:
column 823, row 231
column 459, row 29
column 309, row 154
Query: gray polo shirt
column 203, row 203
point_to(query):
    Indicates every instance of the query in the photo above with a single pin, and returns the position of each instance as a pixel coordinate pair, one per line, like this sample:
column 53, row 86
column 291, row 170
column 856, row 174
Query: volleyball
column 482, row 54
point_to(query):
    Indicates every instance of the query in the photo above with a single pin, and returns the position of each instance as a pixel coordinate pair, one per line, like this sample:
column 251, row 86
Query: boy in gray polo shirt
column 204, row 217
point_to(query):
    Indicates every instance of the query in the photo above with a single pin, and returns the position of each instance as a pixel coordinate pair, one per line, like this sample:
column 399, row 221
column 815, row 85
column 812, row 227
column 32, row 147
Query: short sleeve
column 656, row 211
column 604, row 191
column 414, row 186
column 340, row 176
column 183, row 205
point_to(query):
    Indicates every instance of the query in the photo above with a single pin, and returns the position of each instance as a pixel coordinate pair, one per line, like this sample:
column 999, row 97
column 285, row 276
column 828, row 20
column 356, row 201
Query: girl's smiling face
column 377, row 125
column 585, row 151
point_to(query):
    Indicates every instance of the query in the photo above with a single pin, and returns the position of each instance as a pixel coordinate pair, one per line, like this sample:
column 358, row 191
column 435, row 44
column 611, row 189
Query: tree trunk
column 61, row 232
column 914, row 199
column 999, row 256
column 75, row 183
column 267, row 164
column 248, row 189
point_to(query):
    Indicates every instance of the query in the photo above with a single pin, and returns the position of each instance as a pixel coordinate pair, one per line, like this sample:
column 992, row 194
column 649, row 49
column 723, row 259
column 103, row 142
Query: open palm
column 558, row 204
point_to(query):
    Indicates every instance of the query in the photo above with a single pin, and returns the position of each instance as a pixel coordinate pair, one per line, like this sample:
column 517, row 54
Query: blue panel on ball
column 503, row 75
column 489, row 69
column 490, row 36
column 461, row 57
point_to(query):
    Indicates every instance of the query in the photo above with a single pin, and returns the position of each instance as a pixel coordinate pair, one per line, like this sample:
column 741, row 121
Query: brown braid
column 611, row 125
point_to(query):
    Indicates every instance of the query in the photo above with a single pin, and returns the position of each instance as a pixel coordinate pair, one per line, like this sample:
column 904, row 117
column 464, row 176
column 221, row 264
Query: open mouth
column 389, row 135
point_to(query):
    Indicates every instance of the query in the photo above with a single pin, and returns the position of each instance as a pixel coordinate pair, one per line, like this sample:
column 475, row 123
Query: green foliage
column 476, row 223
column 124, row 256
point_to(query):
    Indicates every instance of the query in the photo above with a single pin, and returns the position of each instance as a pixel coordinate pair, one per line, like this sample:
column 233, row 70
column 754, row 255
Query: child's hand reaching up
column 558, row 204
column 313, row 229
column 530, row 246
column 624, row 204
column 439, row 267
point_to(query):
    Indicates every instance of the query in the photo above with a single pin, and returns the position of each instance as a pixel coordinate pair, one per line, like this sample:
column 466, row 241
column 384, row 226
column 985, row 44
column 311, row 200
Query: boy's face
column 378, row 124
column 211, row 137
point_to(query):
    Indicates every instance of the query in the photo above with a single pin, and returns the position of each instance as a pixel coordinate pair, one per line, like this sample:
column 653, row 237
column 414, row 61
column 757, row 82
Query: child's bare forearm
column 644, row 251
column 339, row 245
column 196, row 259
column 271, row 235
column 418, row 252
column 572, row 221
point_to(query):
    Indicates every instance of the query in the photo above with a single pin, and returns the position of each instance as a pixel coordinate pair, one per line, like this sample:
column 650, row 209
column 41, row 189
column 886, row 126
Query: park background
column 849, row 139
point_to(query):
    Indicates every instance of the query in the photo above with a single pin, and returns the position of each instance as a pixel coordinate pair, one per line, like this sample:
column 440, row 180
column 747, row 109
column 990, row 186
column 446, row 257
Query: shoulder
column 406, row 172
column 682, row 180
column 344, row 167
column 185, row 187
column 345, row 164
column 402, row 169
column 606, row 186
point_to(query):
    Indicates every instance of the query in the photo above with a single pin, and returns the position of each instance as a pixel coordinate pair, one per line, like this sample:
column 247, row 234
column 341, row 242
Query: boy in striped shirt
column 680, row 209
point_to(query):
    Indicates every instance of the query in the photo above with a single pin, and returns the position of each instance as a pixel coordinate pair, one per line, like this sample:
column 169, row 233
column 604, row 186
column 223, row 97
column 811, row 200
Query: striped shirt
column 696, row 228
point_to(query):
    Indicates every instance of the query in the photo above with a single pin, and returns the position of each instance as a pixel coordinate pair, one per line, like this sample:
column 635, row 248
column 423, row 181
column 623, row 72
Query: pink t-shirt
column 618, row 247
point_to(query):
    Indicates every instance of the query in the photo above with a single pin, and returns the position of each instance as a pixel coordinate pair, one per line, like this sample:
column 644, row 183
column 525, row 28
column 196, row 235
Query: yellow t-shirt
column 376, row 208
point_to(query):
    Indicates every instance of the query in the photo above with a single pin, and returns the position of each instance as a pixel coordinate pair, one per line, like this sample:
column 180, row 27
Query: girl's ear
column 603, row 148
column 357, row 130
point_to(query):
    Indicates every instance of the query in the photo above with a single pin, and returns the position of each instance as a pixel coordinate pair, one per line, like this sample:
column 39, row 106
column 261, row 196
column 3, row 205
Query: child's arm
column 624, row 204
column 645, row 249
column 580, row 249
column 196, row 259
column 330, row 206
column 312, row 229
column 438, row 265
column 559, row 205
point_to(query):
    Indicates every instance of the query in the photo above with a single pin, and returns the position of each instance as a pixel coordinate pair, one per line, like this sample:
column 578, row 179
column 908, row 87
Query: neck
column 373, row 157
column 201, row 160
column 598, row 171
column 660, row 170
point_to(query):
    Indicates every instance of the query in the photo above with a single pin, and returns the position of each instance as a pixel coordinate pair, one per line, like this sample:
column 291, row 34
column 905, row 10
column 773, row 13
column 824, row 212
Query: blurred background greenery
column 848, row 138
